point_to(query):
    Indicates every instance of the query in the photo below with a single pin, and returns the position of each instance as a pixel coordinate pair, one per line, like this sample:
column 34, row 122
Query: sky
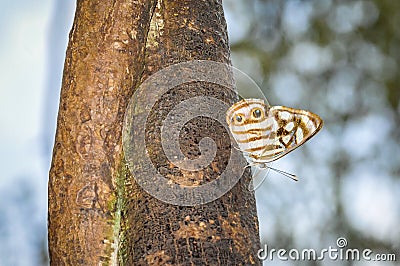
column 24, row 90
column 23, row 68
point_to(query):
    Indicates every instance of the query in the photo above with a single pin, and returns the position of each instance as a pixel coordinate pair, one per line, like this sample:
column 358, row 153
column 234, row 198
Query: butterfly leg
column 254, row 164
column 264, row 164
column 257, row 173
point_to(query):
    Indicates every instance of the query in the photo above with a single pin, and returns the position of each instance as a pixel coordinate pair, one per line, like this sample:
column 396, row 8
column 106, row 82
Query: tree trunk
column 98, row 214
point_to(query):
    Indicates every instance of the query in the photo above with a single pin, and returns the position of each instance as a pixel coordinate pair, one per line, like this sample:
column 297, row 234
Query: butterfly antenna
column 292, row 176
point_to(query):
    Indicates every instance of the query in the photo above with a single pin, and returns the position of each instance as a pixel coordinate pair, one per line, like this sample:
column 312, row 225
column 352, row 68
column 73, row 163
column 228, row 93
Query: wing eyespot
column 257, row 113
column 238, row 119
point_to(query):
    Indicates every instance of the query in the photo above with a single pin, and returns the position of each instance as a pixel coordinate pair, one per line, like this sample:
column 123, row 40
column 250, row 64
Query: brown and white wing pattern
column 252, row 130
column 265, row 134
column 250, row 126
column 293, row 128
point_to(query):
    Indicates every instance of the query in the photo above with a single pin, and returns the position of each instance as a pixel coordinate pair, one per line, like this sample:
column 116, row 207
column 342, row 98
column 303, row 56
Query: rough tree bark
column 97, row 213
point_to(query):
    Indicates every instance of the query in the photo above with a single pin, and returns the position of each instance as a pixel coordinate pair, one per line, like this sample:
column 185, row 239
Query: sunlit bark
column 97, row 213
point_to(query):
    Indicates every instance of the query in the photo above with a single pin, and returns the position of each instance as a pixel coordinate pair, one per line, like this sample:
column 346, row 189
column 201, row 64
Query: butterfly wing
column 291, row 128
column 252, row 134
column 258, row 176
column 266, row 138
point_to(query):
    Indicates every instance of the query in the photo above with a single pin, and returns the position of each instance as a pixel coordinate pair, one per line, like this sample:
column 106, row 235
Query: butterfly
column 265, row 134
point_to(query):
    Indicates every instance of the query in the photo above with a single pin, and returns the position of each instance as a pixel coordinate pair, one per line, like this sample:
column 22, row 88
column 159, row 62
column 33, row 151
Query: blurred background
column 339, row 59
column 32, row 51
